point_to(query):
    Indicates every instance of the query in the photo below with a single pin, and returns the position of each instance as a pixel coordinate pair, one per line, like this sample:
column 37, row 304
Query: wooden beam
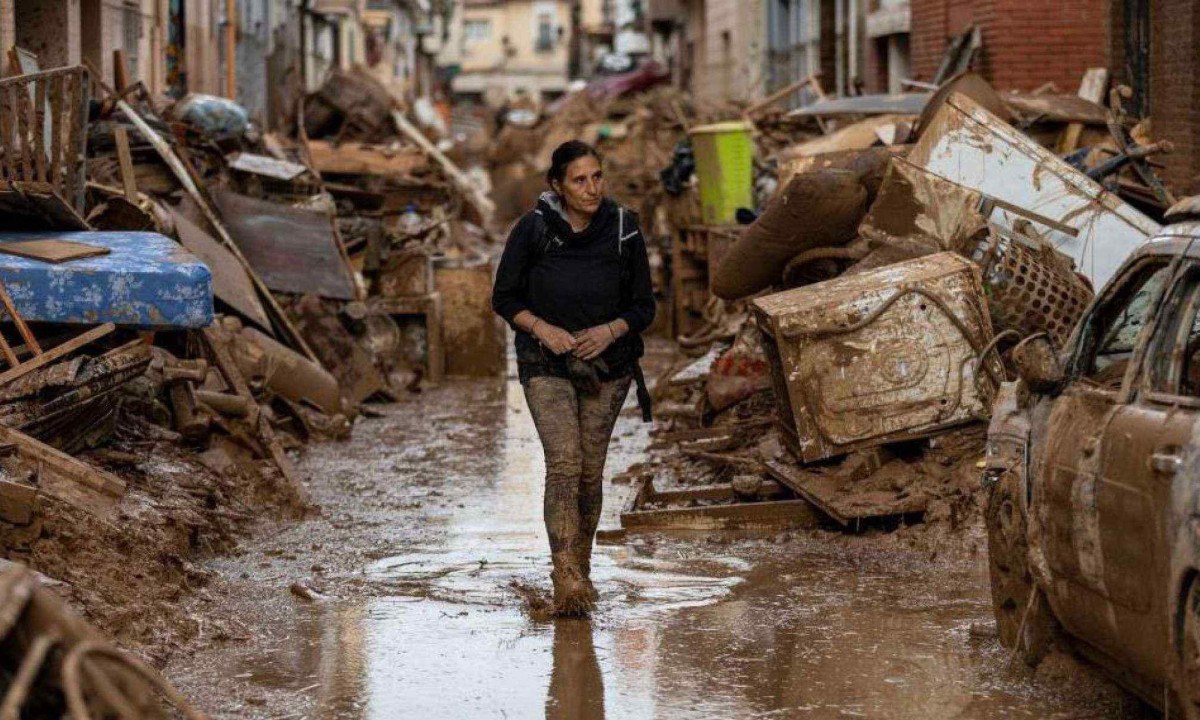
column 128, row 179
column 23, row 328
column 364, row 159
column 776, row 96
column 120, row 70
column 1092, row 87
column 67, row 478
column 56, row 352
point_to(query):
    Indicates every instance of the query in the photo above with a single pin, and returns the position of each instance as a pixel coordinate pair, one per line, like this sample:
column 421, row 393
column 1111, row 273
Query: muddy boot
column 585, row 568
column 571, row 596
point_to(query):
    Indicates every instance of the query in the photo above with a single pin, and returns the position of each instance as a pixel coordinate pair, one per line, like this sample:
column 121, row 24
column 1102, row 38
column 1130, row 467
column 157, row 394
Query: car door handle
column 1165, row 461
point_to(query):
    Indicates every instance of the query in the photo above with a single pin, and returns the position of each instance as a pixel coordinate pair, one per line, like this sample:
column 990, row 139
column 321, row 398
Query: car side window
column 1175, row 364
column 1111, row 334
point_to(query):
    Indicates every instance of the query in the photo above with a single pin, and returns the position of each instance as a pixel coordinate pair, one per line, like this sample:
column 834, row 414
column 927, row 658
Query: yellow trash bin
column 725, row 166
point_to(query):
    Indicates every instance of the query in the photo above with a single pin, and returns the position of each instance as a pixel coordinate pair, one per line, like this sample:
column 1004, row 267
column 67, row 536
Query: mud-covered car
column 1093, row 470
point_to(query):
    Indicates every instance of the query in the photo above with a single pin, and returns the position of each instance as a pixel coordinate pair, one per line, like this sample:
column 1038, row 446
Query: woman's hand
column 557, row 340
column 593, row 341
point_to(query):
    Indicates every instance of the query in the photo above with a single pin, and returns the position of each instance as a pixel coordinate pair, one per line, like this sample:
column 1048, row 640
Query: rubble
column 896, row 353
column 889, row 275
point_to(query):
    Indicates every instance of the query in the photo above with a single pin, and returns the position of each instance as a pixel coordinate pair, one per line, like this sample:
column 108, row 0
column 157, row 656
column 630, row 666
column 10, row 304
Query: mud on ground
column 398, row 600
column 130, row 576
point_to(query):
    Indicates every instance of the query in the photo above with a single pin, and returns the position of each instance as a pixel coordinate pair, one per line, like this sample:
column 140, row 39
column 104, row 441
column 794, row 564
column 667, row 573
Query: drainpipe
column 303, row 46
column 231, row 49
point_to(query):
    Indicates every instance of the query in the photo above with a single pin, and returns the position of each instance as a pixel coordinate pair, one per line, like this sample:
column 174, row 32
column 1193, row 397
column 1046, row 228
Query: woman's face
column 582, row 186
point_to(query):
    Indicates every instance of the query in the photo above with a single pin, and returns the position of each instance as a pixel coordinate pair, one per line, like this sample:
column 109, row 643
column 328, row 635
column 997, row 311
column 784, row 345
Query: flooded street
column 431, row 529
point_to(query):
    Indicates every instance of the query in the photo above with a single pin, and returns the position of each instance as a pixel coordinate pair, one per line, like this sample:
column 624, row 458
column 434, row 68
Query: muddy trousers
column 575, row 430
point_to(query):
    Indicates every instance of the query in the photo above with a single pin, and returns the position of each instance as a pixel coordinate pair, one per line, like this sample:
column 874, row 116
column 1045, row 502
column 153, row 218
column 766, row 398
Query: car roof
column 1175, row 239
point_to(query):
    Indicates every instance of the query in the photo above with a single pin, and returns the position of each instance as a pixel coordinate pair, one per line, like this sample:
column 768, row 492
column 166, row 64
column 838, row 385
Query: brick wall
column 1026, row 43
column 1174, row 92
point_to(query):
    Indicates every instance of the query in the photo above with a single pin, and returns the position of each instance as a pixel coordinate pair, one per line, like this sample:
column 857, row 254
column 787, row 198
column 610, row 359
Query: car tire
column 1187, row 672
column 1024, row 620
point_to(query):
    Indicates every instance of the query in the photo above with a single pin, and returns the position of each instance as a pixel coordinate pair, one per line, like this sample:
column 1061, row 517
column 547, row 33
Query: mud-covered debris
column 59, row 665
column 891, row 354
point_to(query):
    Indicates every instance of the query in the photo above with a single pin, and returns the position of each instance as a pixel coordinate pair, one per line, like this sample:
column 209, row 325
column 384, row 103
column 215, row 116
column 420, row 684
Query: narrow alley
column 430, row 616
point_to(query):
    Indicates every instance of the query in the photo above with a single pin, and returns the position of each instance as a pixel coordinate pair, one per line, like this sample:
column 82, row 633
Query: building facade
column 498, row 49
column 280, row 48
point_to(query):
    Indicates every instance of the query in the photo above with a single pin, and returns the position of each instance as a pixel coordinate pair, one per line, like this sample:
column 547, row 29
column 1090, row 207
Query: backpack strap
column 622, row 237
column 544, row 238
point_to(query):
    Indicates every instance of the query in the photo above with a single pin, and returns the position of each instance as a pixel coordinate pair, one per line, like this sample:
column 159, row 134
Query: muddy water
column 432, row 513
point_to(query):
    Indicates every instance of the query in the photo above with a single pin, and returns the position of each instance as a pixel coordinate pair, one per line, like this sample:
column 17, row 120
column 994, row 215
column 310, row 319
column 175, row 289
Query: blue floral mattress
column 146, row 281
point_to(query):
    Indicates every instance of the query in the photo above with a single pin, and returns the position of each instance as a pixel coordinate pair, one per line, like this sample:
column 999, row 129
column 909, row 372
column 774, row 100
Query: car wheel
column 1023, row 616
column 1188, row 672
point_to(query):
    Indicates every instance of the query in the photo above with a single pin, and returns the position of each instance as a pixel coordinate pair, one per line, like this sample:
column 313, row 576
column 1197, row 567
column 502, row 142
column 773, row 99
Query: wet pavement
column 430, row 523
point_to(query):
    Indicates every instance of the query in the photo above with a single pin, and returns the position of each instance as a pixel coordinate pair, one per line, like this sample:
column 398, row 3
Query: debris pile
column 853, row 336
column 189, row 298
column 58, row 665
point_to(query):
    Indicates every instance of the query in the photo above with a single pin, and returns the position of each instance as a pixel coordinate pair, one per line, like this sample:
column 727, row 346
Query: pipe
column 231, row 49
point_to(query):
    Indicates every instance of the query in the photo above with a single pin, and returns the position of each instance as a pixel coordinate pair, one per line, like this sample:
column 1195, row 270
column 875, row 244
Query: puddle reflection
column 576, row 690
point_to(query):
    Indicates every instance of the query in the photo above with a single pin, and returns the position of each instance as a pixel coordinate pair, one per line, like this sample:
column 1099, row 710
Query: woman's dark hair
column 564, row 155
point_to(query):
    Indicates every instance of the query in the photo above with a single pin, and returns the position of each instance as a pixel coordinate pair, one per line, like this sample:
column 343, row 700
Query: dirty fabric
column 574, row 429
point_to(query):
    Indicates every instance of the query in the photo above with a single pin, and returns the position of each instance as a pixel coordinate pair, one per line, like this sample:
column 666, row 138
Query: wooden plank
column 776, row 97
column 1092, row 87
column 120, row 70
column 10, row 356
column 365, row 159
column 125, row 159
column 66, row 478
column 77, row 102
column 21, row 123
column 719, row 459
column 56, row 128
column 772, row 513
column 710, row 433
column 17, row 502
column 41, row 123
column 52, row 250
column 56, row 352
column 231, row 284
column 834, row 495
column 26, row 334
column 6, row 143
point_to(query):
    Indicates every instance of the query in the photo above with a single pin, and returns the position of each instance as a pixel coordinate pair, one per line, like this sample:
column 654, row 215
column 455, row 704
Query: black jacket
column 580, row 280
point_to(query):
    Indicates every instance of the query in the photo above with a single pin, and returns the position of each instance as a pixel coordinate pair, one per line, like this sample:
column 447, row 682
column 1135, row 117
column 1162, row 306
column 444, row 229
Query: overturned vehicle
column 1093, row 468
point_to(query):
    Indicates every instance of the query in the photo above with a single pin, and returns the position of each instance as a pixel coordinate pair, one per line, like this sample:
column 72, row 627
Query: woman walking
column 574, row 282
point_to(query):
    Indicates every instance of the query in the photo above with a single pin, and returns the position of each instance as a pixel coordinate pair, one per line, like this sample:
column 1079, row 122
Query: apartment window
column 794, row 40
column 132, row 21
column 475, row 31
column 545, row 32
